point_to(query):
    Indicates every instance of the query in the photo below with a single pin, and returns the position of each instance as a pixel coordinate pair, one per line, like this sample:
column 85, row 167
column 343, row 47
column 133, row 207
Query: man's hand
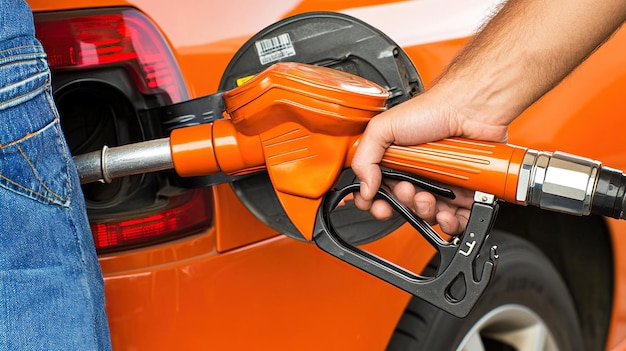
column 425, row 118
column 522, row 53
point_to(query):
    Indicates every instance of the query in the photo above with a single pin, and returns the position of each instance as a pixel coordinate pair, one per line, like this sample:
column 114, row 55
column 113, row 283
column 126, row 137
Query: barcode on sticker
column 275, row 49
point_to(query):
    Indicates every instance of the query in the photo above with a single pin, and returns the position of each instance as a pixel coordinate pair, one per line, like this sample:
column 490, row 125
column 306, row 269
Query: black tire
column 524, row 279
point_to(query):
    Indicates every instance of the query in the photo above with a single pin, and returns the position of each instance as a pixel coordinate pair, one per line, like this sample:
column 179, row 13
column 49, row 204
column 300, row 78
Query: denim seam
column 87, row 288
column 21, row 47
column 66, row 154
column 20, row 57
column 29, row 135
column 34, row 92
column 26, row 60
column 27, row 189
column 30, row 164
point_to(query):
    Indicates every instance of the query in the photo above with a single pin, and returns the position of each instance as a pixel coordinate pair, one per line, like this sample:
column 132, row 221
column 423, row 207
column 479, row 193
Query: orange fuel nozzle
column 296, row 120
column 302, row 123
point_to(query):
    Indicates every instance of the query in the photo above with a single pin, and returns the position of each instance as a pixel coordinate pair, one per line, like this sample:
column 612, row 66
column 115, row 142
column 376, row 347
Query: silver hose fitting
column 114, row 162
column 558, row 181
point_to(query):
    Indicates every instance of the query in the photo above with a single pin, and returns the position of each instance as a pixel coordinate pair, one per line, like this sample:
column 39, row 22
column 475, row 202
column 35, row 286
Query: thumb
column 370, row 178
column 367, row 157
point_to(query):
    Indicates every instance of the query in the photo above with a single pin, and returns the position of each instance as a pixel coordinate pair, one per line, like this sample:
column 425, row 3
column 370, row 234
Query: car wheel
column 527, row 306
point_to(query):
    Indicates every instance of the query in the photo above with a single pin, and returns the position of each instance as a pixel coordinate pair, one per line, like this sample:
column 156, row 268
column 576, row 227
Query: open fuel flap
column 336, row 41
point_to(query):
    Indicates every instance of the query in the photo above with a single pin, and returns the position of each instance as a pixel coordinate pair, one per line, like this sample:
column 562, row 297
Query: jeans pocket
column 34, row 159
column 36, row 166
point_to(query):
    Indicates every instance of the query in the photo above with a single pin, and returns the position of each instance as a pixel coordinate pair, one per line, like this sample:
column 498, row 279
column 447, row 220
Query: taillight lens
column 108, row 63
column 92, row 38
column 189, row 214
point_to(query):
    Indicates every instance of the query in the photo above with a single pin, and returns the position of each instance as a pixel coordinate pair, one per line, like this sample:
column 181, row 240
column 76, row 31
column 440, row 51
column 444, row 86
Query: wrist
column 476, row 111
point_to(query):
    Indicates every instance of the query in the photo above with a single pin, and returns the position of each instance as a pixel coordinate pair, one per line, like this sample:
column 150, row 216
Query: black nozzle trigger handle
column 457, row 257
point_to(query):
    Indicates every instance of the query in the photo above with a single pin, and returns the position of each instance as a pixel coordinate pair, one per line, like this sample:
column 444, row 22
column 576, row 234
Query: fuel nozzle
column 570, row 184
column 302, row 124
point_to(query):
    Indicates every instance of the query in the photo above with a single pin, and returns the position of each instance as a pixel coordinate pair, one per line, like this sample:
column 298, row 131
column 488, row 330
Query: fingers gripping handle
column 457, row 258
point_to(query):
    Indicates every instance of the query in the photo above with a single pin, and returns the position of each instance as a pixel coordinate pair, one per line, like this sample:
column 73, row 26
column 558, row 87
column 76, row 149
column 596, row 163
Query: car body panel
column 241, row 284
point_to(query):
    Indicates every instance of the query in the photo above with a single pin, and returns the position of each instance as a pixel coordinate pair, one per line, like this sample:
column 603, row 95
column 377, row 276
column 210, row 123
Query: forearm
column 523, row 52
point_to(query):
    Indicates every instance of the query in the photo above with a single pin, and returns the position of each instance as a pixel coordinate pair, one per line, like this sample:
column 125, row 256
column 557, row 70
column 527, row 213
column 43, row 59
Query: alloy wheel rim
column 513, row 327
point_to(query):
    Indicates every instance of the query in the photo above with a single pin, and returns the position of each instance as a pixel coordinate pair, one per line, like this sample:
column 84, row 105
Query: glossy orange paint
column 584, row 115
column 242, row 285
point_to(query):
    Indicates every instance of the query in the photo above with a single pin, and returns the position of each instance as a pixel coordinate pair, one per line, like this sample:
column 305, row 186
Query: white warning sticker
column 275, row 49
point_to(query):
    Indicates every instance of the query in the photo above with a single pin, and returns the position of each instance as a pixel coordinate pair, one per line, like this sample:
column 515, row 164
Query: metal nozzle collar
column 557, row 181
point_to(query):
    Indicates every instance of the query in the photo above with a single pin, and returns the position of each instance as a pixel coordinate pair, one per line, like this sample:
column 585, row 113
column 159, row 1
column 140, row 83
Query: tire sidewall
column 525, row 277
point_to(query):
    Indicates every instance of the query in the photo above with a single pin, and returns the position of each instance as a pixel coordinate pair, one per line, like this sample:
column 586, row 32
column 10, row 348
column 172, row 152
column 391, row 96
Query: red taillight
column 103, row 57
column 92, row 38
column 188, row 216
column 122, row 50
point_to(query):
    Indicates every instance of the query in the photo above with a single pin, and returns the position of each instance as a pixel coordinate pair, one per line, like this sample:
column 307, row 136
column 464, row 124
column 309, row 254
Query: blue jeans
column 51, row 287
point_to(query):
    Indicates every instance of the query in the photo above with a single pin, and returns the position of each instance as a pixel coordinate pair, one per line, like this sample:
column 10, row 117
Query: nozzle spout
column 114, row 162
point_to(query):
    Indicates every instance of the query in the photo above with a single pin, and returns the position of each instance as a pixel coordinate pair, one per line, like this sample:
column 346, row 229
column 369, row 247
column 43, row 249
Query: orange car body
column 240, row 284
